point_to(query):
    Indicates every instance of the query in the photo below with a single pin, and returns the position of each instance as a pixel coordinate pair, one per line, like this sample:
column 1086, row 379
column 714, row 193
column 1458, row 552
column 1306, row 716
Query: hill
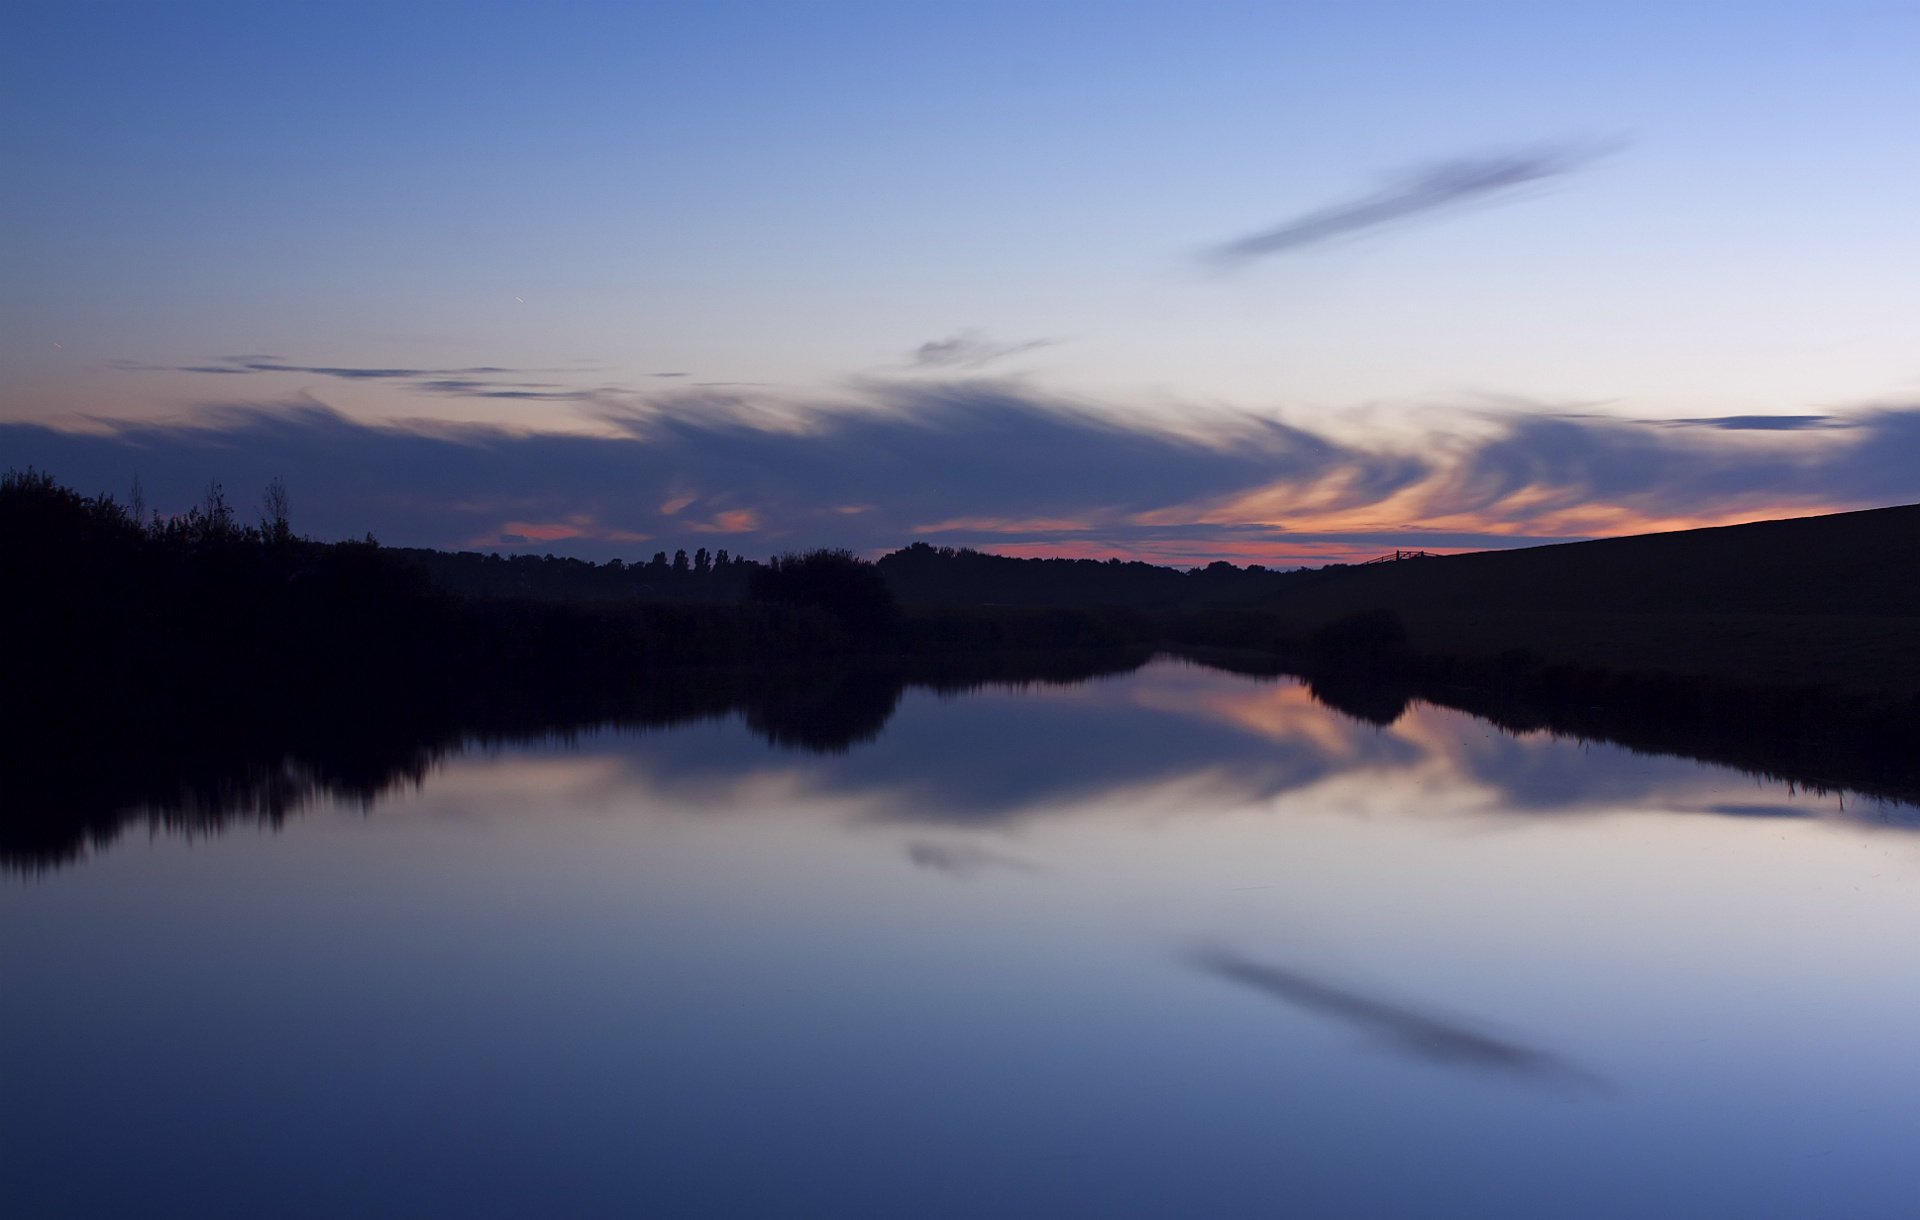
column 1828, row 600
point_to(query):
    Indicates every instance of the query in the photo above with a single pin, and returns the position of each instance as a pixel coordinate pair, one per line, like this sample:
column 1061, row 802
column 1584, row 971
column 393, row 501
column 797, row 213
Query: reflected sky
column 1177, row 730
column 1168, row 944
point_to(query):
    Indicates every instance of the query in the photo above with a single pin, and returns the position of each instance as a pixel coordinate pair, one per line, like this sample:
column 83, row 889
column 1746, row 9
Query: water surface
column 1170, row 943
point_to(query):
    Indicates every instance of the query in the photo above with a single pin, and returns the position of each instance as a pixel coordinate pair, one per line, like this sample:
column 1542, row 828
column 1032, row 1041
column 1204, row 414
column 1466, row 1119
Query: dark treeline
column 224, row 665
column 155, row 642
column 917, row 575
column 702, row 576
column 927, row 575
column 205, row 600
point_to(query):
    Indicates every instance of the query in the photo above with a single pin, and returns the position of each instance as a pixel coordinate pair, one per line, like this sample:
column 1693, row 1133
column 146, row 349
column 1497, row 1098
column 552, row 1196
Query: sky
column 1269, row 283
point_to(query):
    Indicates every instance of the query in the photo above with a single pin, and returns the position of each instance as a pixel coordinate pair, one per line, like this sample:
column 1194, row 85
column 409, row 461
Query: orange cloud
column 541, row 531
column 579, row 525
column 733, row 521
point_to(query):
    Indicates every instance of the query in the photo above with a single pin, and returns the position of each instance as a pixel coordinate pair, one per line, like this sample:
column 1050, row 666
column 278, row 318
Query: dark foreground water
column 1176, row 943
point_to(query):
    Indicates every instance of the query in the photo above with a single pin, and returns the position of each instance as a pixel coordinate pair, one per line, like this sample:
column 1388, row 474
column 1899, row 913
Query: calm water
column 1177, row 943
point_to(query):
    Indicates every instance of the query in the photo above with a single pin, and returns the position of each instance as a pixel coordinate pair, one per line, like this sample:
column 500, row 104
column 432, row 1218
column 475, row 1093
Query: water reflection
column 1409, row 1030
column 1197, row 736
column 981, row 760
column 62, row 799
column 673, row 967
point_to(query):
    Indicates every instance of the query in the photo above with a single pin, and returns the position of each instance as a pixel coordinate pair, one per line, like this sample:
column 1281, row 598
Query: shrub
column 836, row 581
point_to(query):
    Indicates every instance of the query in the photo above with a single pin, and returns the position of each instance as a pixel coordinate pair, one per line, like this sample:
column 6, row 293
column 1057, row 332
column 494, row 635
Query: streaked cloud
column 964, row 860
column 1760, row 423
column 998, row 464
column 480, row 382
column 970, row 349
column 1442, row 186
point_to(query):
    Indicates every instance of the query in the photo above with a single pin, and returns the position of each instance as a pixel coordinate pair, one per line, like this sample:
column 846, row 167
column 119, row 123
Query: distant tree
column 616, row 565
column 702, row 562
column 659, row 562
column 721, row 559
column 680, row 560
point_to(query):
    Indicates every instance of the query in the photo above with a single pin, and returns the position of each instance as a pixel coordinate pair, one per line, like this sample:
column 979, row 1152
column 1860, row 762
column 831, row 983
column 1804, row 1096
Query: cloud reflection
column 1400, row 1027
column 1174, row 732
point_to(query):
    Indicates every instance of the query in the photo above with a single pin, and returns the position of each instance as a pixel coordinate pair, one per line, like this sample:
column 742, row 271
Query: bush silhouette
column 836, row 581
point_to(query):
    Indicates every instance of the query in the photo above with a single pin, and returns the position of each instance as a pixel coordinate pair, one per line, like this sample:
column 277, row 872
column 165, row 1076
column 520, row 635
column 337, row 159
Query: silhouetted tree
column 680, row 560
column 215, row 521
column 702, row 562
column 275, row 509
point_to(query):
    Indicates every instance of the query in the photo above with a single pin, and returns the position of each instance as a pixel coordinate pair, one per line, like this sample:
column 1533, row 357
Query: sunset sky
column 1264, row 282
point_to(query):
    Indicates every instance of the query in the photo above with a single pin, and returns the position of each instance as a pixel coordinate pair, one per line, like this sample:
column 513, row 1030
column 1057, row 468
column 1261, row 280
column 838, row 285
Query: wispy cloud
column 975, row 462
column 970, row 349
column 1400, row 1027
column 964, row 860
column 1433, row 188
column 482, row 381
column 1759, row 423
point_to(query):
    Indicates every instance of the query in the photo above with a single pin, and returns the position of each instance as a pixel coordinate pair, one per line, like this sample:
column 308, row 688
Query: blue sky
column 804, row 211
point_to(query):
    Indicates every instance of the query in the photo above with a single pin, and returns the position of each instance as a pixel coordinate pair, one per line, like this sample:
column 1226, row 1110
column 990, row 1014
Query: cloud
column 483, row 381
column 1759, row 423
column 1400, row 1027
column 1542, row 465
column 768, row 472
column 1433, row 188
column 963, row 859
column 969, row 349
column 981, row 462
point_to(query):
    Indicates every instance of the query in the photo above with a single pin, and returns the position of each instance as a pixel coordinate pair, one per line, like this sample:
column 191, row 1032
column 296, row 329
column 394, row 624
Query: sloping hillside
column 1845, row 563
column 1831, row 600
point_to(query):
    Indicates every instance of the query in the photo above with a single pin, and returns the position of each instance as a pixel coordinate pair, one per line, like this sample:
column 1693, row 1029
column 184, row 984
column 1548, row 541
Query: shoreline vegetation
column 236, row 670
